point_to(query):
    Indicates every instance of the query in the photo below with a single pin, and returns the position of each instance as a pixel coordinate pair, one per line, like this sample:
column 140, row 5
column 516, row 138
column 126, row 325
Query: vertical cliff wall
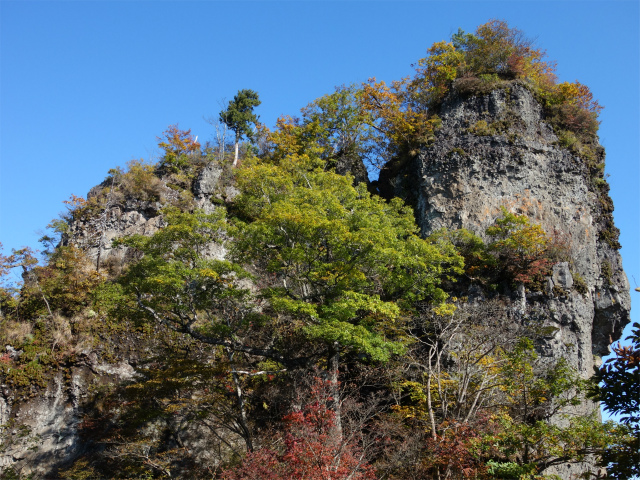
column 491, row 151
column 497, row 150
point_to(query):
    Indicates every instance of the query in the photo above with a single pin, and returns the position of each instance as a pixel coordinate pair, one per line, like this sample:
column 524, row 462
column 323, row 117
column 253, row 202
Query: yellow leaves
column 445, row 309
column 209, row 273
column 74, row 202
column 442, row 64
column 391, row 114
column 575, row 93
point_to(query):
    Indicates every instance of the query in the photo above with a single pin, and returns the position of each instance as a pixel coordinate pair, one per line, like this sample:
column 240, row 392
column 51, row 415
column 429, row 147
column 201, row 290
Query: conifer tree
column 239, row 116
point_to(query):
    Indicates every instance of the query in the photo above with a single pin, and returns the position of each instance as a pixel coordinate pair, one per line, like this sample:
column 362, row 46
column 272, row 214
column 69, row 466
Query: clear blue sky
column 88, row 85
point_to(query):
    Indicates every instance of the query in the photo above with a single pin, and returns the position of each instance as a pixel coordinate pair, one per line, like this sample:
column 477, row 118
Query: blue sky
column 89, row 85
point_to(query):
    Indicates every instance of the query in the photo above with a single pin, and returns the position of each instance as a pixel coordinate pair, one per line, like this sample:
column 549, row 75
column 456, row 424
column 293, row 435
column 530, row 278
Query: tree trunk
column 244, row 424
column 235, row 159
column 333, row 362
column 432, row 419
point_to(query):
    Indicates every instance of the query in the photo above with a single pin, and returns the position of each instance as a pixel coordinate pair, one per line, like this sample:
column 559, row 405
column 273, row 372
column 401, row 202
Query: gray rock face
column 497, row 151
column 211, row 186
column 135, row 217
column 38, row 434
column 42, row 432
column 492, row 151
column 350, row 163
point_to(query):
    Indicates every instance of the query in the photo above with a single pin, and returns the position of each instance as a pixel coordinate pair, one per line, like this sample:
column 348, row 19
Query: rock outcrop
column 41, row 432
column 491, row 152
column 497, row 151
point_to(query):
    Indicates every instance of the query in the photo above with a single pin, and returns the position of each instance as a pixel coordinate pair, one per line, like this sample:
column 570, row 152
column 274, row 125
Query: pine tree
column 239, row 116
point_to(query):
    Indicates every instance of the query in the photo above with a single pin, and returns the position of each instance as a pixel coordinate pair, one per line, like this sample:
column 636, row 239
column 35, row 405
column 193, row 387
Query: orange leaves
column 74, row 202
column 626, row 356
column 579, row 95
column 178, row 142
column 177, row 145
column 393, row 114
column 386, row 105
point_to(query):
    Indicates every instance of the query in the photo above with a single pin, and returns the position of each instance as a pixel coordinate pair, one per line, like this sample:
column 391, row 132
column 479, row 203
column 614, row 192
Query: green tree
column 619, row 392
column 239, row 116
column 346, row 266
column 342, row 128
column 179, row 282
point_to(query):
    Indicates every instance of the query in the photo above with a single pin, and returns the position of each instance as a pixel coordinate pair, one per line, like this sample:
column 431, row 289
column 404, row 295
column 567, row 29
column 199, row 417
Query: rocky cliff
column 491, row 151
column 499, row 150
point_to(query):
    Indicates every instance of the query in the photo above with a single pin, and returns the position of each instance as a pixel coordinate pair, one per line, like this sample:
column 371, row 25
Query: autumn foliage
column 306, row 449
column 294, row 271
column 177, row 145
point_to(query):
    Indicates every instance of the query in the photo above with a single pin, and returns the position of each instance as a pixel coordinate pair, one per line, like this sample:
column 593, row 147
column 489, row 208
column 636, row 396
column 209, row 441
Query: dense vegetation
column 303, row 327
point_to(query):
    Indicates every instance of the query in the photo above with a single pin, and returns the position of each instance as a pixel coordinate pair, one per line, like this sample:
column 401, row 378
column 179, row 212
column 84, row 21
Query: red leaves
column 310, row 451
column 455, row 452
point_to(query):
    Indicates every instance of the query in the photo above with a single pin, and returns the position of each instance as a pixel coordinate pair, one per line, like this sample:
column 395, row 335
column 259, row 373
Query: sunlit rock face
column 495, row 151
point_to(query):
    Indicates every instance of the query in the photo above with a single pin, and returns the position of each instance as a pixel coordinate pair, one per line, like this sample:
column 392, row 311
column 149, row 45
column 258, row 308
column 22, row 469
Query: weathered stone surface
column 211, row 186
column 463, row 179
column 42, row 432
column 39, row 434
column 350, row 163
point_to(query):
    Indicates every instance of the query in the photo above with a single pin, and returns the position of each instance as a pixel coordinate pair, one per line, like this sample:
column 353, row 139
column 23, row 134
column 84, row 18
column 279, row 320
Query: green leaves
column 239, row 114
column 178, row 280
column 346, row 263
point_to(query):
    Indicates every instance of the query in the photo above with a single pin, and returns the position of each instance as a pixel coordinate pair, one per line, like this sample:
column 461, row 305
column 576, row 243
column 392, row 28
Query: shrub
column 311, row 450
column 481, row 128
column 141, row 182
column 579, row 284
column 520, row 248
column 179, row 146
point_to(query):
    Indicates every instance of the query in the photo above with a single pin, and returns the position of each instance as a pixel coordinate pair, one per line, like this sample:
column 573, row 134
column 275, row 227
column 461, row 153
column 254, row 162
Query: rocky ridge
column 491, row 151
column 498, row 151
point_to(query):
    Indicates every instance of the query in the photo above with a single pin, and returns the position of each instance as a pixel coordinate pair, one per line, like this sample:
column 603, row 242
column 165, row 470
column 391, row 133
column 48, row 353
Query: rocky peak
column 499, row 150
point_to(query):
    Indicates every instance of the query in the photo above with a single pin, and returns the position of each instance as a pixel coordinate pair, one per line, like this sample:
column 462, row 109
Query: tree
column 519, row 248
column 346, row 265
column 177, row 145
column 179, row 282
column 493, row 52
column 619, row 392
column 307, row 450
column 239, row 116
column 490, row 405
column 336, row 128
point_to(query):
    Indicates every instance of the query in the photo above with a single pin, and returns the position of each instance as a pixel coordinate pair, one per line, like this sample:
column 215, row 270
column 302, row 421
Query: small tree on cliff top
column 239, row 116
column 177, row 145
